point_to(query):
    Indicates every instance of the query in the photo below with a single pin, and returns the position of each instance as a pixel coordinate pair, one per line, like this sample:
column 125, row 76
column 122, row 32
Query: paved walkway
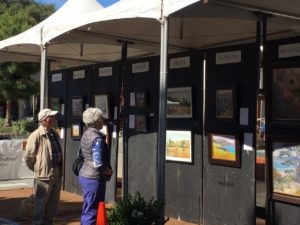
column 68, row 213
column 13, row 192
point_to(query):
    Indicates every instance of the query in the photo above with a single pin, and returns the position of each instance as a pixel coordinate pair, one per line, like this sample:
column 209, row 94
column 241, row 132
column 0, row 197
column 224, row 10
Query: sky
column 59, row 3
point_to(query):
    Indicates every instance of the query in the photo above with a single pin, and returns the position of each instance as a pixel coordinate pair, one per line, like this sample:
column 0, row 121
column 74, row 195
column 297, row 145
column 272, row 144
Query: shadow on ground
column 68, row 213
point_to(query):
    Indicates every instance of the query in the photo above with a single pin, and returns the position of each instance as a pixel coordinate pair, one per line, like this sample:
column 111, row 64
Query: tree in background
column 15, row 78
column 16, row 83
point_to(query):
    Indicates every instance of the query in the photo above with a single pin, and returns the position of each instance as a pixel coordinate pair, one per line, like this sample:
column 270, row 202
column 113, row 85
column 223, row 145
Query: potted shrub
column 135, row 210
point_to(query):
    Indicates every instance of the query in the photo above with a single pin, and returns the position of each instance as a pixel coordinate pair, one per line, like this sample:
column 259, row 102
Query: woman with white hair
column 96, row 169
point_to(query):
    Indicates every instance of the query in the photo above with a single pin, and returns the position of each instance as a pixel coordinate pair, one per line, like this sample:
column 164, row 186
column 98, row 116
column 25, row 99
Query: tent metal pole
column 123, row 110
column 43, row 76
column 269, row 205
column 162, row 115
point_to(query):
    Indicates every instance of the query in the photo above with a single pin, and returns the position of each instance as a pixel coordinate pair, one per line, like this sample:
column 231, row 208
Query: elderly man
column 44, row 157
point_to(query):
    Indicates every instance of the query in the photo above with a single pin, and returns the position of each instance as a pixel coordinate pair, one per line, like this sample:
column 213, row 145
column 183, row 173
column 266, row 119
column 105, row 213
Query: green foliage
column 135, row 210
column 17, row 16
column 16, row 81
column 20, row 128
column 15, row 78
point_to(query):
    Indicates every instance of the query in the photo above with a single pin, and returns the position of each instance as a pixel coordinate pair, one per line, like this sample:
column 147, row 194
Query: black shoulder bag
column 77, row 164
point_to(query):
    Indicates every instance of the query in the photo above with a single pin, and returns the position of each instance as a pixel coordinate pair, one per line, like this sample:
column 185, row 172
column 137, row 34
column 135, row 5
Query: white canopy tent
column 94, row 36
column 82, row 51
column 69, row 11
column 192, row 25
column 29, row 42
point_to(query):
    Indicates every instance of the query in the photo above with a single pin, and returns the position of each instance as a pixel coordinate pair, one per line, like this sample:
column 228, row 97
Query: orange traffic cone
column 101, row 216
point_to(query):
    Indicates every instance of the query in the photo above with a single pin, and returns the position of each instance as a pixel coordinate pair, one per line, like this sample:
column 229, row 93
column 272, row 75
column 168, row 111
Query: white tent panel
column 124, row 9
column 18, row 57
column 70, row 10
column 171, row 6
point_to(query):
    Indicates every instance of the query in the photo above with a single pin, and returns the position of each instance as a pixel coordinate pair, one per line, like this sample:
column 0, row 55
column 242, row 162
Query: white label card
column 131, row 121
column 114, row 134
column 62, row 133
column 290, row 50
column 62, row 109
column 105, row 71
column 79, row 74
column 248, row 142
column 140, row 67
column 56, row 77
column 244, row 112
column 229, row 57
column 182, row 62
column 132, row 99
column 115, row 112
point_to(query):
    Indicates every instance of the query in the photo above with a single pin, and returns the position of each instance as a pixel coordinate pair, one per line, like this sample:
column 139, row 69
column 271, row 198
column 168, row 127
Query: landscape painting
column 76, row 131
column 224, row 150
column 286, row 94
column 179, row 146
column 179, row 102
column 286, row 168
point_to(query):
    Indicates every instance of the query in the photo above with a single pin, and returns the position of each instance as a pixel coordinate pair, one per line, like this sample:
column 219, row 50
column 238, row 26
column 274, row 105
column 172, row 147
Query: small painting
column 179, row 146
column 286, row 170
column 141, row 123
column 101, row 102
column 224, row 104
column 179, row 102
column 224, row 150
column 76, row 131
column 77, row 106
column 286, row 94
column 140, row 99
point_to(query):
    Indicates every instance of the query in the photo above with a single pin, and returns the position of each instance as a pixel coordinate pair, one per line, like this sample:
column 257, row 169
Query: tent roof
column 193, row 24
column 26, row 45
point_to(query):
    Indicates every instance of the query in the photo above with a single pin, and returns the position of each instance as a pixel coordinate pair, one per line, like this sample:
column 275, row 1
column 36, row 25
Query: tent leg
column 43, row 81
column 125, row 136
column 162, row 116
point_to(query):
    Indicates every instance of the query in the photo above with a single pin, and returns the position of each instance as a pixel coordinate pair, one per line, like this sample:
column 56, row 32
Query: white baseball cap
column 46, row 113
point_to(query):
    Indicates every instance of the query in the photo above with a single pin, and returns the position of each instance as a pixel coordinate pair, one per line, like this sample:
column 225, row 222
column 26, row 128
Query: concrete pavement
column 68, row 213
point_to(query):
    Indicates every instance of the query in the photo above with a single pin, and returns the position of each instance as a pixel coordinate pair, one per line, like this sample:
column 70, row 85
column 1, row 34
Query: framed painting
column 101, row 102
column 225, row 102
column 141, row 123
column 179, row 102
column 224, row 150
column 286, row 94
column 77, row 106
column 179, row 146
column 54, row 104
column 76, row 131
column 140, row 99
column 286, row 170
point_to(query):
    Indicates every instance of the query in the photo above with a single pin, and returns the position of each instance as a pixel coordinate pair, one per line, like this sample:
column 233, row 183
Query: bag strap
column 79, row 151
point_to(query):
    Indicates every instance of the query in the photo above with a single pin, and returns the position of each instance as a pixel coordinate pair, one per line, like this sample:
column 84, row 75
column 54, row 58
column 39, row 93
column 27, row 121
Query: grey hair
column 91, row 116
